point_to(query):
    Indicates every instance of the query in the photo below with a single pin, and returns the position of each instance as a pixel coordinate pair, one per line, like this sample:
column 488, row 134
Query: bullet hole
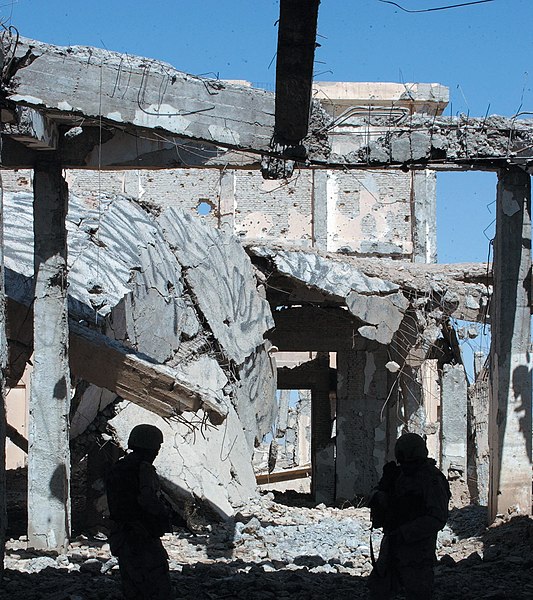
column 204, row 207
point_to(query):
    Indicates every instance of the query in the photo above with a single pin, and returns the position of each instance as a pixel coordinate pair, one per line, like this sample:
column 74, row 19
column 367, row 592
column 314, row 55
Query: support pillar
column 322, row 445
column 510, row 404
column 49, row 456
column 431, row 395
column 3, row 363
column 454, row 433
column 362, row 442
column 320, row 209
column 226, row 202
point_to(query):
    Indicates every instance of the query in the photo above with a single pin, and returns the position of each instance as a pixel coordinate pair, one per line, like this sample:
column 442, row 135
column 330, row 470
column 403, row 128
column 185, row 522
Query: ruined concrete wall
column 274, row 210
column 367, row 212
column 182, row 293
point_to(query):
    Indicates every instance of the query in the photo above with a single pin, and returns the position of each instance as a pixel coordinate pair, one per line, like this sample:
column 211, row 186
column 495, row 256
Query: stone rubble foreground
column 273, row 550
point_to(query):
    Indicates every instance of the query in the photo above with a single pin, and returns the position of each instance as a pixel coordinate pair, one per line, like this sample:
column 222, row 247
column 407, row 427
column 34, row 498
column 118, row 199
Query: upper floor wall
column 381, row 213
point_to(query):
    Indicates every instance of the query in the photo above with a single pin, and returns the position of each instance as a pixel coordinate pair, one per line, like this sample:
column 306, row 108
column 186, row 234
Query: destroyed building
column 188, row 275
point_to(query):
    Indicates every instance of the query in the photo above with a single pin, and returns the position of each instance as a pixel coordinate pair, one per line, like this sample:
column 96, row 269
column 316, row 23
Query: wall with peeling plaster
column 367, row 213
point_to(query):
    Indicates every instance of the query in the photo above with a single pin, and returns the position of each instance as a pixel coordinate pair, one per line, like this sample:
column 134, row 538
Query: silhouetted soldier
column 140, row 518
column 411, row 504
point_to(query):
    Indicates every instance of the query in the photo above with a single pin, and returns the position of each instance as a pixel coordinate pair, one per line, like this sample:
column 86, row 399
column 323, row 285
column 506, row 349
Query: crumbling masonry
column 166, row 296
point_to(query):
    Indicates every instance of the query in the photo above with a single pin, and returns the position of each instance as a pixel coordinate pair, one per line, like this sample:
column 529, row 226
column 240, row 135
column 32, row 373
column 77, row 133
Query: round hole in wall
column 204, row 207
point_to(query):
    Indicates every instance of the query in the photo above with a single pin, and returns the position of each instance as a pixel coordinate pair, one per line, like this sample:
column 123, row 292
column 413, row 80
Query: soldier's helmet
column 148, row 437
column 410, row 447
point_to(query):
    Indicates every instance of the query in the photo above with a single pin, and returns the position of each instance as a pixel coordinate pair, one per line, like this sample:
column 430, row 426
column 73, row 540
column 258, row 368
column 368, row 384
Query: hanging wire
column 424, row 10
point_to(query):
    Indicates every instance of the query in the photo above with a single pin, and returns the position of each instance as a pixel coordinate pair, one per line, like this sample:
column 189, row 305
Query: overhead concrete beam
column 436, row 141
column 143, row 96
column 130, row 91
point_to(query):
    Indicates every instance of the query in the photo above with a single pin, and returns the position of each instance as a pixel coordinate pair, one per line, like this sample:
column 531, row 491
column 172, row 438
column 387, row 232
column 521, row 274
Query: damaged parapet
column 167, row 315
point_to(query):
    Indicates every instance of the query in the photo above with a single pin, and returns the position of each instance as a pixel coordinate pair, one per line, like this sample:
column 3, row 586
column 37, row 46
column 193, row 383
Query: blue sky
column 480, row 52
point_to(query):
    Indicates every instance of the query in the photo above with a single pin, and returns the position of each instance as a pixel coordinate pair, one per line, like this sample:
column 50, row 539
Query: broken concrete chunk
column 196, row 458
column 255, row 396
column 376, row 309
column 220, row 277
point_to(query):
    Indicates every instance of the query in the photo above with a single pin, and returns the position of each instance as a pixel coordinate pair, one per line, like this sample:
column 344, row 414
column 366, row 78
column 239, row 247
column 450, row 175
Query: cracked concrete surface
column 153, row 281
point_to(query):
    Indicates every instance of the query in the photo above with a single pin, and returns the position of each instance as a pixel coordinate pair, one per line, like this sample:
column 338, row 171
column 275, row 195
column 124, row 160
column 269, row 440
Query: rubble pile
column 274, row 550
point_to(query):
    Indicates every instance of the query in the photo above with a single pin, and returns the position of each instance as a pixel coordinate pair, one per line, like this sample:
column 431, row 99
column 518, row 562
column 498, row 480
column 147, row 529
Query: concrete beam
column 130, row 91
column 49, row 457
column 510, row 408
column 140, row 96
column 108, row 364
column 87, row 146
column 157, row 388
column 294, row 69
column 424, row 140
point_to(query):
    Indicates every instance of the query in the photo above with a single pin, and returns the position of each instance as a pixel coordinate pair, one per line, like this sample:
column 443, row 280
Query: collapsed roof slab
column 461, row 290
column 158, row 283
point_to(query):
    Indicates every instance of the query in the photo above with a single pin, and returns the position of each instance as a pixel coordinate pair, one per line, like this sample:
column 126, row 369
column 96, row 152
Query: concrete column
column 362, row 442
column 3, row 363
column 412, row 397
column 322, row 446
column 49, row 457
column 510, row 408
column 304, row 428
column 453, row 419
column 283, row 413
column 431, row 394
column 478, row 439
column 320, row 209
column 424, row 215
column 226, row 205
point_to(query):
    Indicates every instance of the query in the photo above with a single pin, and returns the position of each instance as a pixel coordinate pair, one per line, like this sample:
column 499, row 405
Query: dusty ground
column 281, row 547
